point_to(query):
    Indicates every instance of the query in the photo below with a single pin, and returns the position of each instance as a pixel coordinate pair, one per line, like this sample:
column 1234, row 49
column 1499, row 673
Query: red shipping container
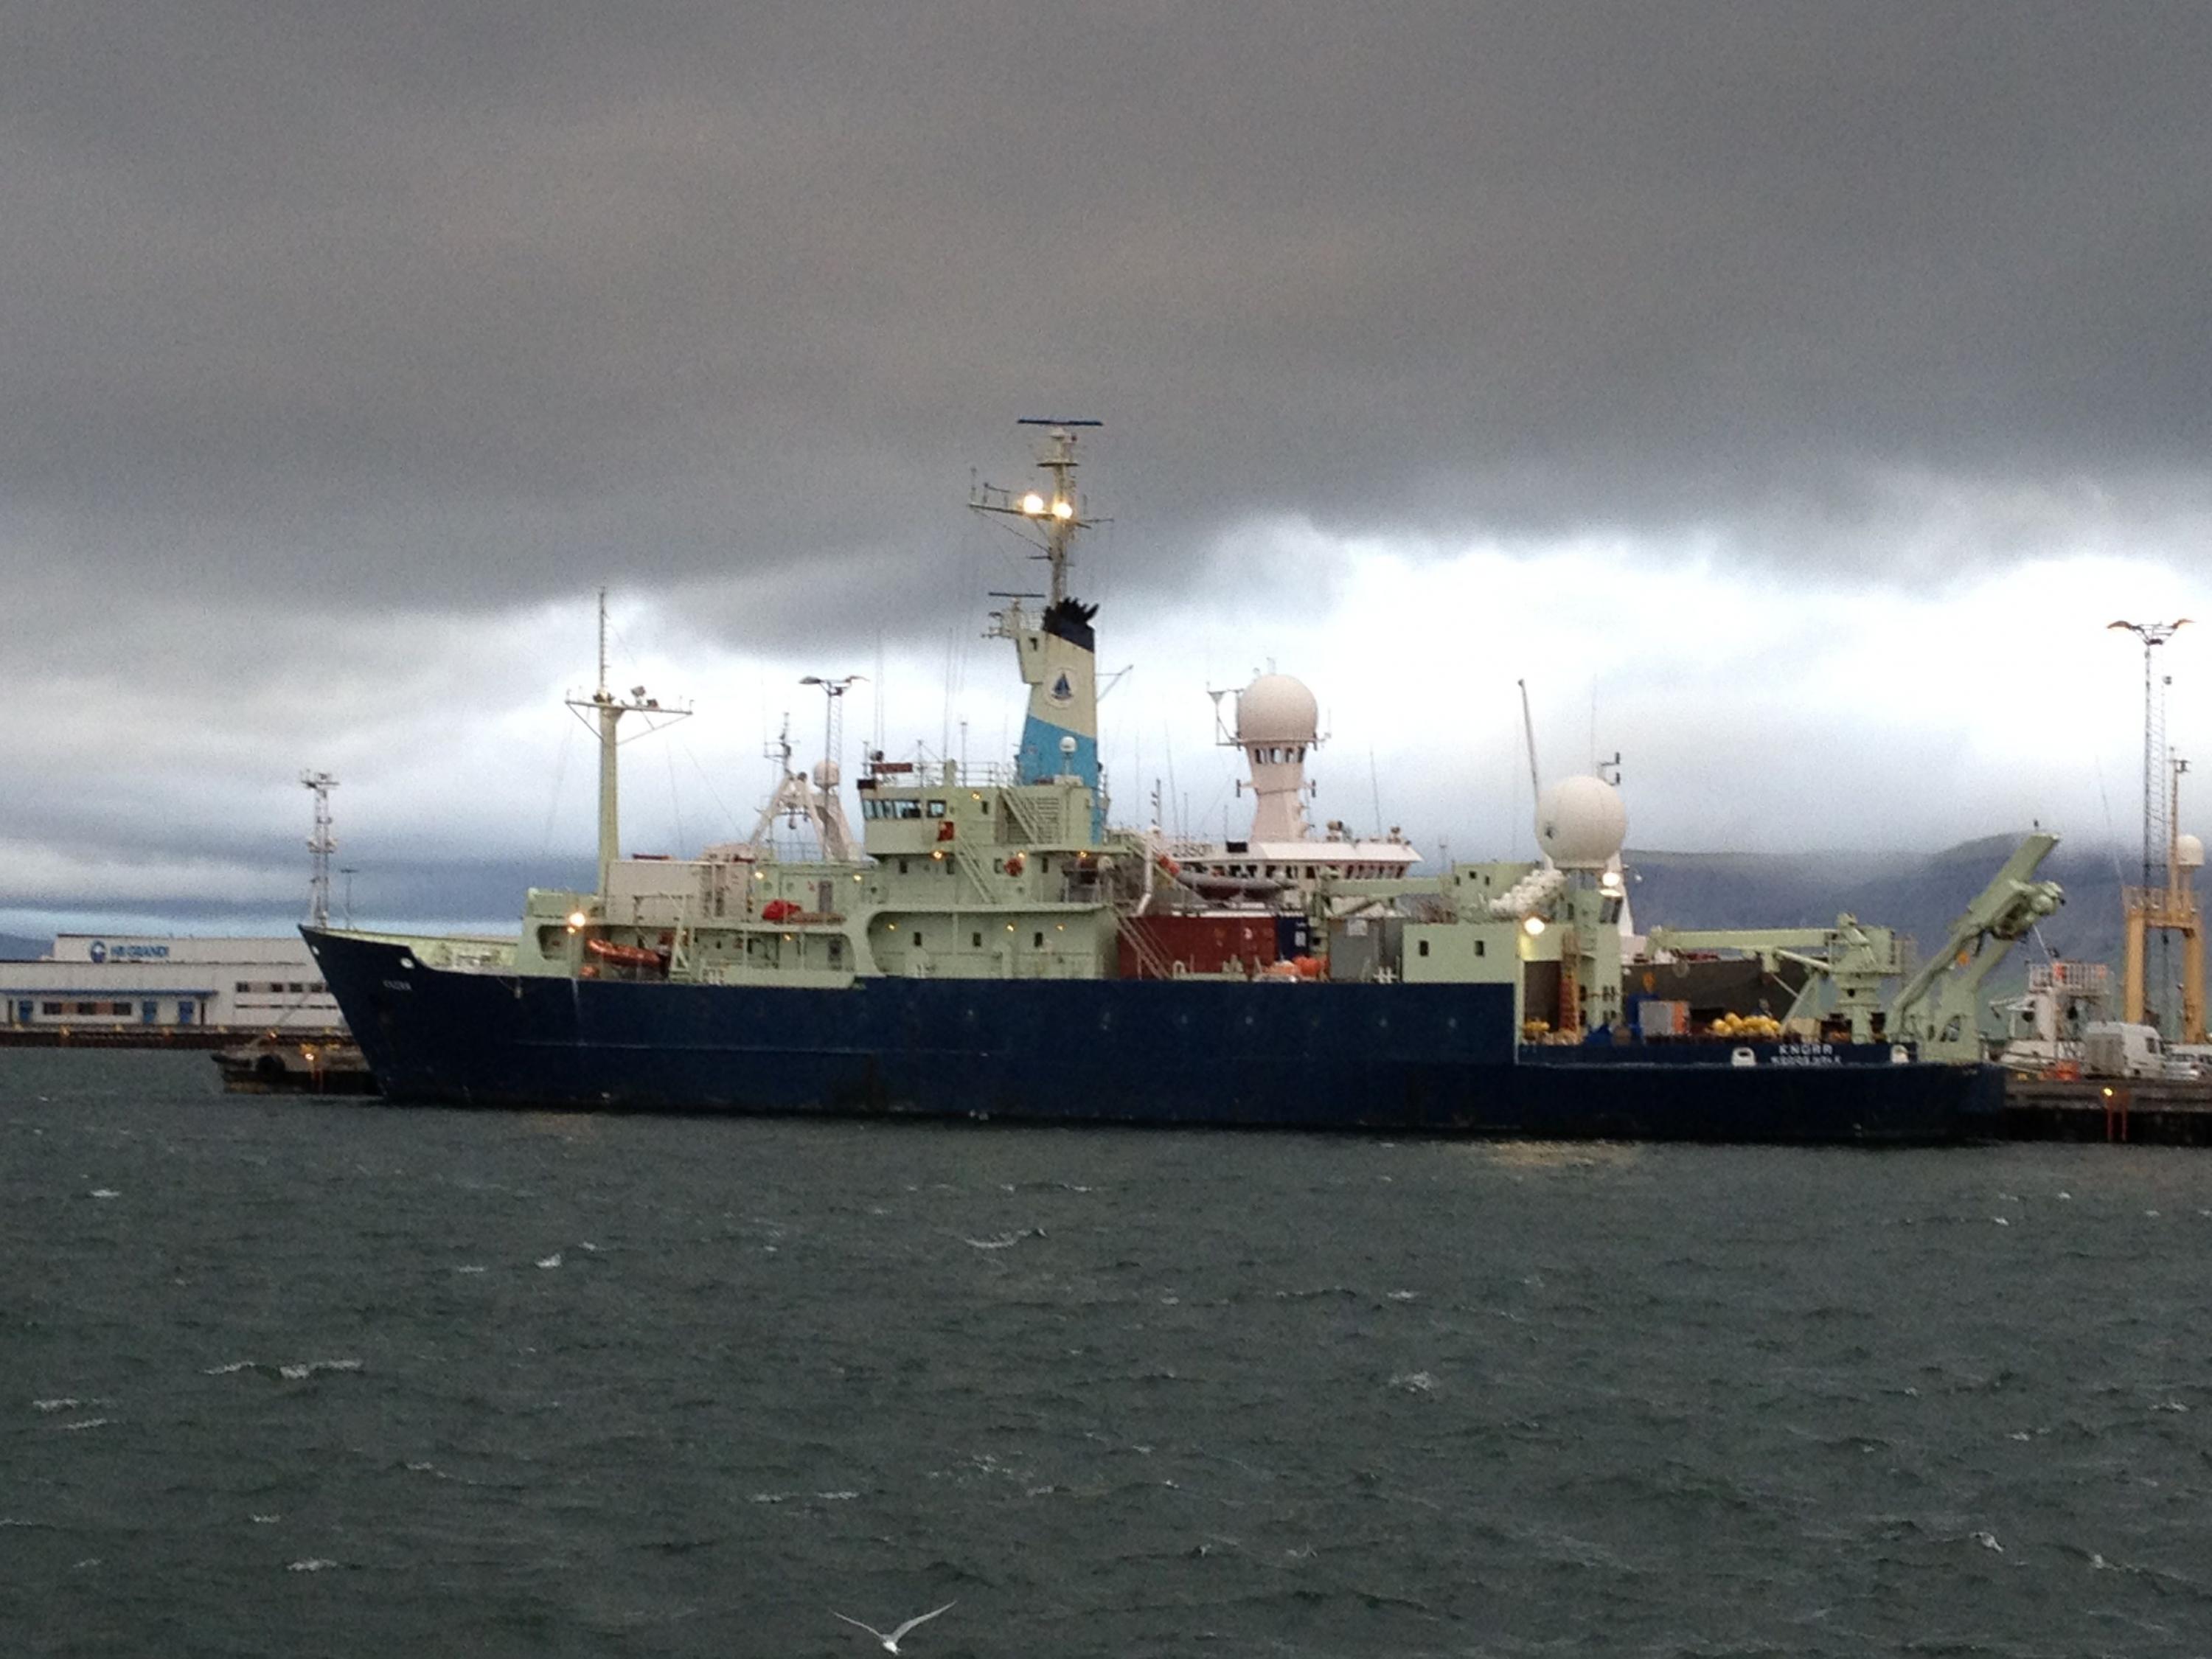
column 1199, row 944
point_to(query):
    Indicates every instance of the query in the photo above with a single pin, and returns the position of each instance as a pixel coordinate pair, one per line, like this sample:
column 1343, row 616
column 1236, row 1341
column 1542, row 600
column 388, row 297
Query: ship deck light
column 1532, row 925
column 1033, row 503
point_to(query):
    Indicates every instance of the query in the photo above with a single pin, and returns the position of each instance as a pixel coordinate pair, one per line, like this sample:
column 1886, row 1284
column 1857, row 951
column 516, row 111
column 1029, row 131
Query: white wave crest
column 304, row 1368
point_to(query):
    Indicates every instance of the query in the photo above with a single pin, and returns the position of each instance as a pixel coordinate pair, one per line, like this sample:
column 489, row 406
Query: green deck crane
column 1940, row 1007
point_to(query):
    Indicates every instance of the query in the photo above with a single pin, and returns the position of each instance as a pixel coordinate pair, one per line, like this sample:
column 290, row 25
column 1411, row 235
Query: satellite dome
column 1276, row 708
column 1581, row 823
column 827, row 774
column 2189, row 852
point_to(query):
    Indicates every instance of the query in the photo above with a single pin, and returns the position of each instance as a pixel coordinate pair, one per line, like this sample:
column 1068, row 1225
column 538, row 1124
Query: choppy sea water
column 291, row 1377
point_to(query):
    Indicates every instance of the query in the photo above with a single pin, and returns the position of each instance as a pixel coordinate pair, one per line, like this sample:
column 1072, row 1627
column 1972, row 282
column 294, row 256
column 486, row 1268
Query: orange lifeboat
column 630, row 956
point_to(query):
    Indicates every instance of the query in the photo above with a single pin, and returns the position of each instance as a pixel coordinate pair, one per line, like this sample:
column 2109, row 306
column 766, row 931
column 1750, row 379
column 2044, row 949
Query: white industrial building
column 106, row 982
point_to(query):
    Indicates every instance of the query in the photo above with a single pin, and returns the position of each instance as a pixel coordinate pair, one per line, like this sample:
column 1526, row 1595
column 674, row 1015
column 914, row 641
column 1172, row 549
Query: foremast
column 602, row 710
column 1057, row 651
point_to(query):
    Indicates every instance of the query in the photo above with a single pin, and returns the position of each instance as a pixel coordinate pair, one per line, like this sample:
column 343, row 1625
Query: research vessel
column 988, row 948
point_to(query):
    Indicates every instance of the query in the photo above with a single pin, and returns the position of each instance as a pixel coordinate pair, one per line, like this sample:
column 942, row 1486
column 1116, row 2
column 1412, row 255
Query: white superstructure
column 109, row 982
column 1278, row 722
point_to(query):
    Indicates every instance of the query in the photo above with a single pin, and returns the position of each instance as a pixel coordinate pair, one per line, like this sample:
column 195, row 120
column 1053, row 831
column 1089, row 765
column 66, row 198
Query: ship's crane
column 1848, row 965
column 1939, row 1007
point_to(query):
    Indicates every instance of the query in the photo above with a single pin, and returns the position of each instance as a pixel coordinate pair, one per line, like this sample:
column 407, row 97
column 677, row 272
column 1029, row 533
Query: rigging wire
column 2112, row 835
column 712, row 794
column 675, row 804
column 560, row 772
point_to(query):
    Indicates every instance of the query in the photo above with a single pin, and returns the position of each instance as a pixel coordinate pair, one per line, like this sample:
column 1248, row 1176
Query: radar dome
column 2189, row 852
column 827, row 774
column 1276, row 708
column 1581, row 823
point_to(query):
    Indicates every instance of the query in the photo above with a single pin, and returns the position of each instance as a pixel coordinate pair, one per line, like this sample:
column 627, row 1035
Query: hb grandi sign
column 103, row 951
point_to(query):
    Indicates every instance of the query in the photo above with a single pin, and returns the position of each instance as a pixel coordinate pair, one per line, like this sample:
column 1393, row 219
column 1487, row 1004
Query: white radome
column 2189, row 852
column 1581, row 823
column 1276, row 708
column 827, row 774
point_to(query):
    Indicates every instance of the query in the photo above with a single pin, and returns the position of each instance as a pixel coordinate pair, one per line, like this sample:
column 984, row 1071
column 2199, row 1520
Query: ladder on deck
column 1151, row 961
column 1037, row 819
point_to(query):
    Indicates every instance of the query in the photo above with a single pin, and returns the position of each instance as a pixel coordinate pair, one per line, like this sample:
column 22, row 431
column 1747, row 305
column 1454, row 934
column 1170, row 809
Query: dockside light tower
column 2165, row 902
column 320, row 846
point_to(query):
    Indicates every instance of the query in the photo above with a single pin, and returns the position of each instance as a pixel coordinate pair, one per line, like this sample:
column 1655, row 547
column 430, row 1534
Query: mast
column 813, row 800
column 605, row 711
column 321, row 845
column 1056, row 651
column 1057, row 509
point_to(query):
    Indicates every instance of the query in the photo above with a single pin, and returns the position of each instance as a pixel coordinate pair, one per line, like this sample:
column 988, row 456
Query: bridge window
column 937, row 809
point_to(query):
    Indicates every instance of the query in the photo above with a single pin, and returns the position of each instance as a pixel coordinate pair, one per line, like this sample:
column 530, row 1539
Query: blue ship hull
column 1424, row 1058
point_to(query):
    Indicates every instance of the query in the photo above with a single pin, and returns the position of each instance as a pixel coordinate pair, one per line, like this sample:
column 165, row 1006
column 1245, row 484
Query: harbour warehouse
column 107, row 982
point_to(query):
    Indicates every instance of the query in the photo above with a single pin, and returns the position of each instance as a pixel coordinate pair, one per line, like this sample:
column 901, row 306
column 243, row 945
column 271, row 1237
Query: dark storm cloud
column 464, row 305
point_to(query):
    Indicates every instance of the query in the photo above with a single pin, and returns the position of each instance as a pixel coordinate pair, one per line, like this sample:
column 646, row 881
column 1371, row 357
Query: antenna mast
column 1059, row 515
column 321, row 845
column 812, row 799
column 603, row 711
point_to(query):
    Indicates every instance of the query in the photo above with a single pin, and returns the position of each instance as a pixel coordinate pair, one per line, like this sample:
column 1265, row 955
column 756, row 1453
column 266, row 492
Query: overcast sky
column 1790, row 393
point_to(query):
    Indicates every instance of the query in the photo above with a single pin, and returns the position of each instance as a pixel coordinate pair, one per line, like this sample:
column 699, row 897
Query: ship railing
column 2159, row 900
column 2082, row 978
column 934, row 775
column 466, row 958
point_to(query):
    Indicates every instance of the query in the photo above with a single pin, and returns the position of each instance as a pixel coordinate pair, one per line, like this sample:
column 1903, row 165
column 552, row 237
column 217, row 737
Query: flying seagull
column 891, row 1642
